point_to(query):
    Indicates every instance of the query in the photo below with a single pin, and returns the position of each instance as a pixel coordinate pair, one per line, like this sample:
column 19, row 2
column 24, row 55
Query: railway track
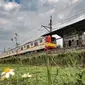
column 52, row 51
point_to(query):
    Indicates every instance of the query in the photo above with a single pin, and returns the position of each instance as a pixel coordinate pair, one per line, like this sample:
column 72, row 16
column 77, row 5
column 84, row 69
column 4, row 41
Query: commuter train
column 42, row 43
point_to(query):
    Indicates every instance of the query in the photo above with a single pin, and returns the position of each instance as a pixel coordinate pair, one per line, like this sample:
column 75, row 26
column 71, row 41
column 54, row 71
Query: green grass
column 61, row 69
column 62, row 59
column 58, row 75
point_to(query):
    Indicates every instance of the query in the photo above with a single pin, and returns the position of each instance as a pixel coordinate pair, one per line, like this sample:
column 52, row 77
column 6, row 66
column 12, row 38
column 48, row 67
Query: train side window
column 41, row 40
column 24, row 46
column 28, row 46
column 36, row 43
column 31, row 43
column 21, row 48
column 12, row 51
column 7, row 53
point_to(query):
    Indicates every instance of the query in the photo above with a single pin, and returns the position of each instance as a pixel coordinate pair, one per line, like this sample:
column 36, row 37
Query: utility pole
column 49, row 29
column 4, row 49
column 50, row 24
column 16, row 40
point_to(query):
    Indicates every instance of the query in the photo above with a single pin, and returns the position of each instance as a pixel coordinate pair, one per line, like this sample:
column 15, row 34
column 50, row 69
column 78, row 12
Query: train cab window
column 53, row 40
column 36, row 43
column 21, row 48
column 28, row 46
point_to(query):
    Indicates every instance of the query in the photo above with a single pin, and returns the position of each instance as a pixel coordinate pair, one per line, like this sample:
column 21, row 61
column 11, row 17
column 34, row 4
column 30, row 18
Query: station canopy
column 80, row 26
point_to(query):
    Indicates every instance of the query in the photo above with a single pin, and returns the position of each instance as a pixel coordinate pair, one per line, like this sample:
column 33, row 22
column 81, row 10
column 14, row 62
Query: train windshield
column 53, row 40
column 50, row 39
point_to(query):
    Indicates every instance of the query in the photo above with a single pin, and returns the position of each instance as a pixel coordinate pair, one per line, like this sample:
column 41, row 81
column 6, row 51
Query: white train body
column 26, row 48
column 38, row 44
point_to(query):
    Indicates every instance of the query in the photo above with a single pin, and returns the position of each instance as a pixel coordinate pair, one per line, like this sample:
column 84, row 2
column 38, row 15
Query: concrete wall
column 73, row 39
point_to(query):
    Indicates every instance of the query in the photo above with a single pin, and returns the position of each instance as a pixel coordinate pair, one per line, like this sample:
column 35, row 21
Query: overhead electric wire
column 66, row 7
column 58, row 12
column 77, row 13
column 72, row 17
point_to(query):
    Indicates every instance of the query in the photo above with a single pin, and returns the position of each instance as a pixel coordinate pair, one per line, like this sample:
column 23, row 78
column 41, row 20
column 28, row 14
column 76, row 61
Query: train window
column 28, row 46
column 41, row 40
column 21, row 48
column 12, row 51
column 8, row 52
column 16, row 51
column 31, row 43
column 53, row 40
column 36, row 43
column 24, row 46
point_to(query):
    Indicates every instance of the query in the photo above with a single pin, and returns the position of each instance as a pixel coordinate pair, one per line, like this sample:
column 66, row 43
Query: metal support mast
column 16, row 40
column 50, row 24
column 49, row 29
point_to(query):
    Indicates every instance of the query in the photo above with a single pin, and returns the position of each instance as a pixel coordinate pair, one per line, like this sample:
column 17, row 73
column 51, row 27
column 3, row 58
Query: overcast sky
column 26, row 18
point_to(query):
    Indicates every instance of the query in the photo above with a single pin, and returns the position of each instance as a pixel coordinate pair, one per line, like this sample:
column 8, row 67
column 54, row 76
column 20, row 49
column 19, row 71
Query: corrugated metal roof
column 80, row 25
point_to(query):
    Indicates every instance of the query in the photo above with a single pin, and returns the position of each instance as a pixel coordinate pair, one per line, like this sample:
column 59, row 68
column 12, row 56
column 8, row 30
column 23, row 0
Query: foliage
column 62, row 59
column 46, row 69
column 59, row 75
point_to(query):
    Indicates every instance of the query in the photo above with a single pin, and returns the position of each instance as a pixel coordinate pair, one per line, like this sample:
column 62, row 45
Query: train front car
column 50, row 42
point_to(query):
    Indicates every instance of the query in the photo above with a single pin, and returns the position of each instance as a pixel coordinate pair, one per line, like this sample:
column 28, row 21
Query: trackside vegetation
column 46, row 69
column 61, row 59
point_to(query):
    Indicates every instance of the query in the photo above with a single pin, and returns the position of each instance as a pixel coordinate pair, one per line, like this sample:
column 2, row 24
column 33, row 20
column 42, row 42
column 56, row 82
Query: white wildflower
column 26, row 75
column 7, row 73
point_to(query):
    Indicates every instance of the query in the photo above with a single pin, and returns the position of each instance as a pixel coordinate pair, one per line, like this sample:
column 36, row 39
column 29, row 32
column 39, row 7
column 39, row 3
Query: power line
column 72, row 17
column 58, row 12
column 49, row 29
column 66, row 7
column 77, row 13
column 61, row 20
